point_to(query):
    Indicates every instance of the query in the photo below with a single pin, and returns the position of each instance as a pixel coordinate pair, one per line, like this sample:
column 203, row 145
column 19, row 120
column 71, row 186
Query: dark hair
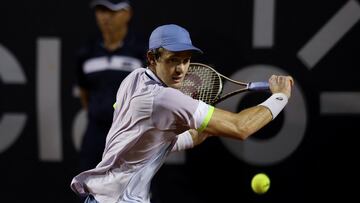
column 156, row 54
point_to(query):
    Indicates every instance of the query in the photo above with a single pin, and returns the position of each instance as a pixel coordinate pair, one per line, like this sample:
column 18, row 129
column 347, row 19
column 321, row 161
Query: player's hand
column 281, row 84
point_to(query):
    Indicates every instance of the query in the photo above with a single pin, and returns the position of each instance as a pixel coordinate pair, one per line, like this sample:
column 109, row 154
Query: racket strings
column 202, row 83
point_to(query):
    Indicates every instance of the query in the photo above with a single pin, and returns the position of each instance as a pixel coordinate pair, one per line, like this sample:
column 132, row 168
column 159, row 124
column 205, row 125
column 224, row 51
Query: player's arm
column 198, row 137
column 224, row 123
column 189, row 139
column 238, row 125
column 241, row 125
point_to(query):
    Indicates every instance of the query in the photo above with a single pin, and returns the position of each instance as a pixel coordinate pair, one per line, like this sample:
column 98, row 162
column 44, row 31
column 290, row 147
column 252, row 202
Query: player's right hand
column 281, row 84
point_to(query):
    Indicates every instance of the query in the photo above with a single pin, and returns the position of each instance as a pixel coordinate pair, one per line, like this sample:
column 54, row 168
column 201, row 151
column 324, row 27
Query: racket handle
column 258, row 86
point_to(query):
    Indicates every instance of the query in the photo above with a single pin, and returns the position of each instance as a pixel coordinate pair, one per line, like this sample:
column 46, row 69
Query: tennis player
column 152, row 118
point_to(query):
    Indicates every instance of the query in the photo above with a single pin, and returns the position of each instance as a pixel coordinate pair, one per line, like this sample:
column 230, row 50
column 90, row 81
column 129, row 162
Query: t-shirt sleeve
column 174, row 110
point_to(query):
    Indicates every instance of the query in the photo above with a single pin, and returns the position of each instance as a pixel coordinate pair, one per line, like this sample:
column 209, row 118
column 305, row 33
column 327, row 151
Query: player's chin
column 176, row 84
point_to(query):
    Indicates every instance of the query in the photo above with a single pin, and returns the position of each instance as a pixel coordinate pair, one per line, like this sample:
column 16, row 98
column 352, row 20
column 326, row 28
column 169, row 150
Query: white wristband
column 275, row 103
column 184, row 141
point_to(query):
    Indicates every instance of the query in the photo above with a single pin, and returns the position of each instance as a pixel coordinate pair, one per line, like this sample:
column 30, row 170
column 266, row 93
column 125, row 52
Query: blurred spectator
column 102, row 65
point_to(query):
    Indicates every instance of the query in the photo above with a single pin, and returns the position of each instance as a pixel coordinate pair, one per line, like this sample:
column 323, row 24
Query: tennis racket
column 204, row 83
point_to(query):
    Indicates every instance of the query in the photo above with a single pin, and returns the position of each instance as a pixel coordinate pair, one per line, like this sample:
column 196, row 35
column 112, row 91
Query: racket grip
column 258, row 86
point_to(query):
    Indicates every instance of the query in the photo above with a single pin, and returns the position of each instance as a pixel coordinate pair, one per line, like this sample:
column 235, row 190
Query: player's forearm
column 189, row 139
column 197, row 137
column 240, row 125
column 253, row 119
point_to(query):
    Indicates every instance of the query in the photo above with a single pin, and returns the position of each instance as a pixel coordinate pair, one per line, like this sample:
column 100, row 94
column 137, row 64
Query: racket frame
column 220, row 97
column 246, row 86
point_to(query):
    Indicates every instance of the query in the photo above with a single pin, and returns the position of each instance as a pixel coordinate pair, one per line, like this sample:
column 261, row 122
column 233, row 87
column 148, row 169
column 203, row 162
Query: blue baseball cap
column 173, row 38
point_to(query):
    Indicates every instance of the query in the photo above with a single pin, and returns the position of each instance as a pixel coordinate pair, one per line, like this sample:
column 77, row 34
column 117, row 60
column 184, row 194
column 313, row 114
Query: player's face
column 172, row 67
column 111, row 21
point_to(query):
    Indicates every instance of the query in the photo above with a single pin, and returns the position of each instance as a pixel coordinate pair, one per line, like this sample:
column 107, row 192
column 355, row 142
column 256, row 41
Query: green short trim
column 206, row 120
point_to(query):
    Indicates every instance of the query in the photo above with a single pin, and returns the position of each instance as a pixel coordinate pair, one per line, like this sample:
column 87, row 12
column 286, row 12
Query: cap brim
column 114, row 7
column 182, row 47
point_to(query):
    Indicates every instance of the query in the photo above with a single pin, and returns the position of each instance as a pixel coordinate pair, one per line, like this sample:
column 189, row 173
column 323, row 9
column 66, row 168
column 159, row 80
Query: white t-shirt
column 147, row 119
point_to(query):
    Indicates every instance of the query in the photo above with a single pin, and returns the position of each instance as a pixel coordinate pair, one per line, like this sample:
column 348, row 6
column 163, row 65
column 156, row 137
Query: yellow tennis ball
column 260, row 183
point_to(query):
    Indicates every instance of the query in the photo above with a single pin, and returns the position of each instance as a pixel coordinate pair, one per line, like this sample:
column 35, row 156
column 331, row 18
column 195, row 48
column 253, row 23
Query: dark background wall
column 309, row 152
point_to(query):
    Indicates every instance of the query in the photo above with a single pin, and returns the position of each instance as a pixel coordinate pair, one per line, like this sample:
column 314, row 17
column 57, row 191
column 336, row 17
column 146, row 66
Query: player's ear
column 151, row 57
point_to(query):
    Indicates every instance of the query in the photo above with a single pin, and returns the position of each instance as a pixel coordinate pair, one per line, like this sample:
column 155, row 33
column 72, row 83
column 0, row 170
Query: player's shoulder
column 135, row 74
column 168, row 96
